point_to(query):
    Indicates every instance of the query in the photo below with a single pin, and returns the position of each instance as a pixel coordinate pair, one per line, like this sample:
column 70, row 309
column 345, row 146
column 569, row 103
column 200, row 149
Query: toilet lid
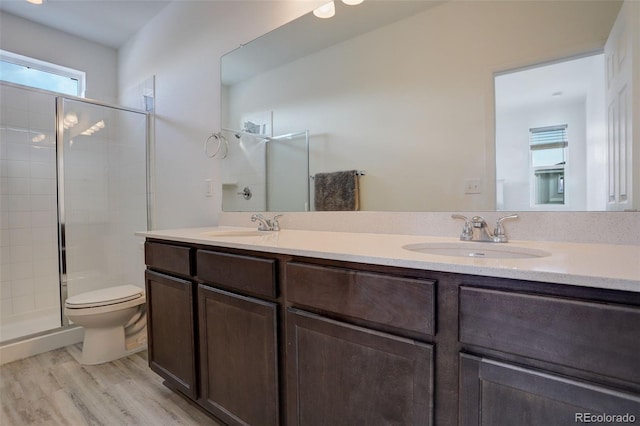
column 105, row 296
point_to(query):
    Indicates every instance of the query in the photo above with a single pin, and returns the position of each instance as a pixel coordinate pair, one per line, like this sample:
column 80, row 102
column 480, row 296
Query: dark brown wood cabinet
column 170, row 329
column 502, row 394
column 209, row 337
column 240, row 273
column 517, row 337
column 593, row 336
column 340, row 374
column 393, row 302
column 269, row 339
column 238, row 357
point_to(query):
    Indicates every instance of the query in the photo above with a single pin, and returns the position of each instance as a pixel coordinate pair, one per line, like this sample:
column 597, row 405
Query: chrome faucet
column 476, row 229
column 266, row 224
column 480, row 229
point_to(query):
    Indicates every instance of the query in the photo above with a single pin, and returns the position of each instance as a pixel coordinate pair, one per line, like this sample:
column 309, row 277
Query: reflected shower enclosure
column 73, row 192
column 274, row 168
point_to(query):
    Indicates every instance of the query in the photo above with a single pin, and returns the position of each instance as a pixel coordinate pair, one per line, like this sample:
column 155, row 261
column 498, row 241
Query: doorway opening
column 551, row 136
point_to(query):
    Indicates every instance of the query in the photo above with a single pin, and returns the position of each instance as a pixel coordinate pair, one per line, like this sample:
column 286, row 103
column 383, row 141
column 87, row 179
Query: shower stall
column 73, row 190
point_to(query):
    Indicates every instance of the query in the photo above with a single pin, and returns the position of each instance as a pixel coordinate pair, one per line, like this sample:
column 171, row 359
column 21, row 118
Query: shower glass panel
column 287, row 171
column 29, row 281
column 103, row 182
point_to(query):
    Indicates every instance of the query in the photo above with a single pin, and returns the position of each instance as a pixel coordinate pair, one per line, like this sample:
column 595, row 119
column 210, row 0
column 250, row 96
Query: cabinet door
column 238, row 357
column 494, row 393
column 339, row 374
column 170, row 328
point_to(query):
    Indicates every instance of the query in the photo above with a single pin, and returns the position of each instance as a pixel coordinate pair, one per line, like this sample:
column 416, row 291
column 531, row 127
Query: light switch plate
column 472, row 186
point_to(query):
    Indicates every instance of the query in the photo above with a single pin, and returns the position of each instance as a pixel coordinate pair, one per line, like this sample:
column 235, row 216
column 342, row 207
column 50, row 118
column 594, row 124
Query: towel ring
column 217, row 136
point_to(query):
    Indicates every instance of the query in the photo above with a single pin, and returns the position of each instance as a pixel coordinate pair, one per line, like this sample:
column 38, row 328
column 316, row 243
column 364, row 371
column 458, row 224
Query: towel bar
column 358, row 173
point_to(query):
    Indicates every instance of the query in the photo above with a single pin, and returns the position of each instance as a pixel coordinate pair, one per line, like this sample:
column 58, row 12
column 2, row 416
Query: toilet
column 114, row 322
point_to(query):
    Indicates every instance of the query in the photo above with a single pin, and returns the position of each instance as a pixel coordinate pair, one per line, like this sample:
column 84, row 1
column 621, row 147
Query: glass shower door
column 287, row 172
column 29, row 286
column 102, row 184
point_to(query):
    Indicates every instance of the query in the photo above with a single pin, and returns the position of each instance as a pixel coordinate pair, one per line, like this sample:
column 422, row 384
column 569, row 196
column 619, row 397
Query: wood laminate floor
column 55, row 389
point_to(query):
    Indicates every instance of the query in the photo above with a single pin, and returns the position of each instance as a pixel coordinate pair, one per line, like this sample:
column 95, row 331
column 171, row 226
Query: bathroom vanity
column 318, row 328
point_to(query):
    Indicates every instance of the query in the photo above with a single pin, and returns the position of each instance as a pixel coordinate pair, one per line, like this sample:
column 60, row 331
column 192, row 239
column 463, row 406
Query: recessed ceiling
column 110, row 23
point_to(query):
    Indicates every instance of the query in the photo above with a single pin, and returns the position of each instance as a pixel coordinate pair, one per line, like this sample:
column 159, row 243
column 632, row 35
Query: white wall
column 30, row 39
column 182, row 46
column 431, row 76
column 596, row 143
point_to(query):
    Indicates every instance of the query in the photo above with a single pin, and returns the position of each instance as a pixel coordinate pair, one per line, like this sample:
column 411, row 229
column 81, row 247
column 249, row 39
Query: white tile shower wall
column 244, row 166
column 28, row 231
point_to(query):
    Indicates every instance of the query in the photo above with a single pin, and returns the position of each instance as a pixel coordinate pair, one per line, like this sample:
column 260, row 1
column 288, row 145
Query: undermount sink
column 479, row 250
column 237, row 233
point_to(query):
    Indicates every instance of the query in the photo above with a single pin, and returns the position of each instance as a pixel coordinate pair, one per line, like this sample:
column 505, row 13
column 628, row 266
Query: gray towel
column 337, row 191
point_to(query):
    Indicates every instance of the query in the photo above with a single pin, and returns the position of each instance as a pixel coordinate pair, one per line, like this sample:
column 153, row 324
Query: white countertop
column 591, row 265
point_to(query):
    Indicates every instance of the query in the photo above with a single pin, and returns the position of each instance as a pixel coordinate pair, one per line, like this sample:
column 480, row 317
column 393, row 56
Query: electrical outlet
column 472, row 186
column 208, row 188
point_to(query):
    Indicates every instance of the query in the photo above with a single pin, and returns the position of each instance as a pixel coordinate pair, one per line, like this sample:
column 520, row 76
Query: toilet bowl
column 114, row 322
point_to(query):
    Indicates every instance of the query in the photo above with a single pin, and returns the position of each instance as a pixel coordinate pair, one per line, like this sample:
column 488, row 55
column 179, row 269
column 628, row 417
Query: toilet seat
column 104, row 297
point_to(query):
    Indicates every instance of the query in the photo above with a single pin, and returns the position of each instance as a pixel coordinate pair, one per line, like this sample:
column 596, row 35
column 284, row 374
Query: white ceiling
column 108, row 22
column 564, row 81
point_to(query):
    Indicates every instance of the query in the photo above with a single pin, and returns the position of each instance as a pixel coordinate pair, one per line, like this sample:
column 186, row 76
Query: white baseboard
column 40, row 344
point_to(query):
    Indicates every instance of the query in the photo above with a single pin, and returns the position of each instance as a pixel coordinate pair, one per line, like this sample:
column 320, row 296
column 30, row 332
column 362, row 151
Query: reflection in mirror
column 564, row 131
column 410, row 100
column 274, row 170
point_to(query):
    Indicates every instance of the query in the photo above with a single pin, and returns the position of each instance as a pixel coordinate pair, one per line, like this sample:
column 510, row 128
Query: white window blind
column 548, row 137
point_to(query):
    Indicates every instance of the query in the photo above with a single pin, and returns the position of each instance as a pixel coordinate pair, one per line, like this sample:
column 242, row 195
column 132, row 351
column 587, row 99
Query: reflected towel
column 337, row 191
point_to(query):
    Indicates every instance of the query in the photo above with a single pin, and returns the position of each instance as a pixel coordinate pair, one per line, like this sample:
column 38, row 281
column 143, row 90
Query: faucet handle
column 499, row 235
column 276, row 224
column 467, row 230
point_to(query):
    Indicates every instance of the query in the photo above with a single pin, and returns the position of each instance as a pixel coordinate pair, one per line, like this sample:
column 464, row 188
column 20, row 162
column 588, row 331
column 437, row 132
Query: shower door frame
column 59, row 118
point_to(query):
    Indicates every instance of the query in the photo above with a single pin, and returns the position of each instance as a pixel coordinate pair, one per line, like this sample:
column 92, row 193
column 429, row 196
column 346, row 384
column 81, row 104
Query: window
column 548, row 147
column 31, row 72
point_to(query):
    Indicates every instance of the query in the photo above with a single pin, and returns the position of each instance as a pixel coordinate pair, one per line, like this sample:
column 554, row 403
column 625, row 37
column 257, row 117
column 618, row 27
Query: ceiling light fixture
column 325, row 11
column 70, row 120
column 96, row 127
column 352, row 2
column 35, row 1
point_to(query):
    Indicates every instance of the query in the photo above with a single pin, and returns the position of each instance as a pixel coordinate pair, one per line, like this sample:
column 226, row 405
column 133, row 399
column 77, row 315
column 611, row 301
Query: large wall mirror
column 437, row 106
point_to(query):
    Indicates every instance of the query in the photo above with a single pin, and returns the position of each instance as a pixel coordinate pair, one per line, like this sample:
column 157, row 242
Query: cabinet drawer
column 168, row 258
column 591, row 336
column 252, row 274
column 403, row 303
